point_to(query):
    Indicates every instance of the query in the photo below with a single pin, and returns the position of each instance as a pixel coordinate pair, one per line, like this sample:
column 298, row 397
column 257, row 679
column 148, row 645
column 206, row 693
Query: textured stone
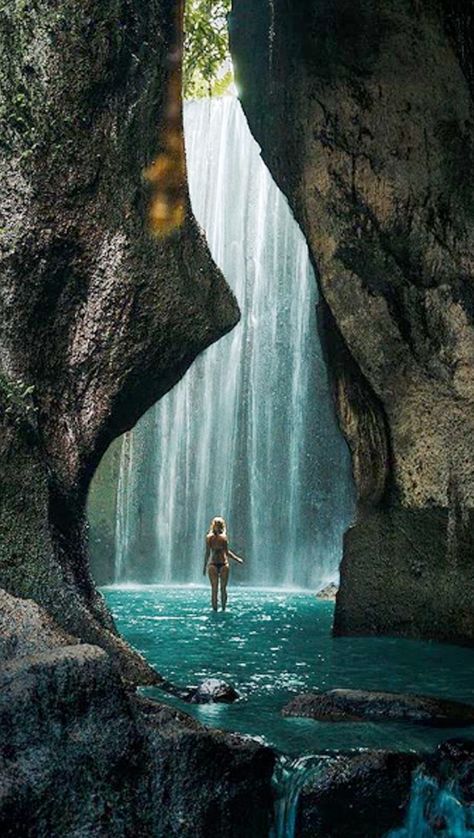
column 372, row 706
column 364, row 114
column 328, row 593
column 361, row 795
column 98, row 318
column 82, row 755
column 214, row 689
column 25, row 629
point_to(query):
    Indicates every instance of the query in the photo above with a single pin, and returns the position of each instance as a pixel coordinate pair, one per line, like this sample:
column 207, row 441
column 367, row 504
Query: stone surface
column 453, row 760
column 25, row 629
column 98, row 318
column 365, row 794
column 364, row 114
column 360, row 795
column 372, row 706
column 214, row 690
column 82, row 755
column 328, row 592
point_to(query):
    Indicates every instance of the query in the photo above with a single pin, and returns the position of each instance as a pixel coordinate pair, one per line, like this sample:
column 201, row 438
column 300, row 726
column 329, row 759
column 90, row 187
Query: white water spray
column 249, row 433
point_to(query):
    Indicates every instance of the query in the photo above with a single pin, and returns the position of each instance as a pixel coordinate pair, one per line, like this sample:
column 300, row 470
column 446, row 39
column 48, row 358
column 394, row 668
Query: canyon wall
column 98, row 316
column 363, row 111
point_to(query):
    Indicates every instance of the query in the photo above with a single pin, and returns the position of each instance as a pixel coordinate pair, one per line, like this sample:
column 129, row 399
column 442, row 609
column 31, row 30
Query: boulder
column 214, row 690
column 361, row 795
column 82, row 755
column 26, row 629
column 366, row 705
column 328, row 593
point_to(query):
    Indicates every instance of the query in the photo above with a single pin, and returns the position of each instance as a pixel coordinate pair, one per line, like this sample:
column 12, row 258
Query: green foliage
column 16, row 399
column 206, row 66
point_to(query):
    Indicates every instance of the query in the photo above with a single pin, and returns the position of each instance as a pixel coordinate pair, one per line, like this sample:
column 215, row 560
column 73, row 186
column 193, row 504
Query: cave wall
column 98, row 317
column 364, row 114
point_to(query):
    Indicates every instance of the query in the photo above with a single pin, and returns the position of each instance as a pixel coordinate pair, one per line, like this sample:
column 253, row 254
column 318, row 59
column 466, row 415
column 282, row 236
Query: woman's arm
column 234, row 557
column 206, row 556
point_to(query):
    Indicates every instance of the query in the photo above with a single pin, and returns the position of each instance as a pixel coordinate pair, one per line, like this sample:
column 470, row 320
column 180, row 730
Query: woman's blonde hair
column 218, row 526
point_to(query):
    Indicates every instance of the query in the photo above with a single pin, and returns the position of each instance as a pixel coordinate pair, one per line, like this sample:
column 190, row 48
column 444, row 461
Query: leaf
column 206, row 48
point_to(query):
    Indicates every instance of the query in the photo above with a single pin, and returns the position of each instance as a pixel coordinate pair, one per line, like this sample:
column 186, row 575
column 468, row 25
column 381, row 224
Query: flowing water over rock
column 435, row 811
column 289, row 779
column 249, row 433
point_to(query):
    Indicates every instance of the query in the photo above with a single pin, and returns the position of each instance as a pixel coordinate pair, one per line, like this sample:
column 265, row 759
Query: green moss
column 16, row 400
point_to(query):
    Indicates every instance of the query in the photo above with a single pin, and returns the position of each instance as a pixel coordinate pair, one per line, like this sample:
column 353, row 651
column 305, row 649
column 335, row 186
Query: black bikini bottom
column 219, row 566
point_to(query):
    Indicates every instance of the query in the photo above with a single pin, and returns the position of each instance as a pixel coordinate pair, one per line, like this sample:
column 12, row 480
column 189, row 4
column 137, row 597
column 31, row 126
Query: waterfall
column 289, row 779
column 249, row 433
column 435, row 811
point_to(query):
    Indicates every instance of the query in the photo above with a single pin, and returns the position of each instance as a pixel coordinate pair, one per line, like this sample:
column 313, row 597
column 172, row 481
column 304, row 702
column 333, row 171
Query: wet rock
column 362, row 111
column 360, row 795
column 328, row 592
column 98, row 317
column 366, row 794
column 442, row 792
column 364, row 705
column 82, row 755
column 453, row 760
column 214, row 690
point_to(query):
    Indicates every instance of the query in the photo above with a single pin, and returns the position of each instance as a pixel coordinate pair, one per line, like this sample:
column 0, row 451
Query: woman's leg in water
column 214, row 580
column 224, row 580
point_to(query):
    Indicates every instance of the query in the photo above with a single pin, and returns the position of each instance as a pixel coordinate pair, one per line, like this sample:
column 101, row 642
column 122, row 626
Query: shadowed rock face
column 364, row 114
column 98, row 319
column 80, row 754
column 363, row 795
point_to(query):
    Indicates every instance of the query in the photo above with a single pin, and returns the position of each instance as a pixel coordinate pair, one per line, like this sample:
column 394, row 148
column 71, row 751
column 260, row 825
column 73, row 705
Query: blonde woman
column 216, row 560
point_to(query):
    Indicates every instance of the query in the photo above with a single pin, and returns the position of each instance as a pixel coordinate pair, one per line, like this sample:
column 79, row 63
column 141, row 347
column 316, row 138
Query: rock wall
column 98, row 318
column 364, row 114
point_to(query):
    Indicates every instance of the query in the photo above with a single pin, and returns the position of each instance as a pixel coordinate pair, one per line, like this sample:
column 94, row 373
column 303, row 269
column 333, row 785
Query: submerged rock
column 328, row 593
column 366, row 705
column 214, row 690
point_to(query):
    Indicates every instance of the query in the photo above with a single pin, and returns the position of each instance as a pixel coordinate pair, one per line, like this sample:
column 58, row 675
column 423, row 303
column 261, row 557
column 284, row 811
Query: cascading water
column 249, row 433
column 289, row 779
column 435, row 811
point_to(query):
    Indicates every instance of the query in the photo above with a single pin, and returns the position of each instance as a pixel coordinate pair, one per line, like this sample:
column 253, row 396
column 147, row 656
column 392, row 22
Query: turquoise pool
column 274, row 644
